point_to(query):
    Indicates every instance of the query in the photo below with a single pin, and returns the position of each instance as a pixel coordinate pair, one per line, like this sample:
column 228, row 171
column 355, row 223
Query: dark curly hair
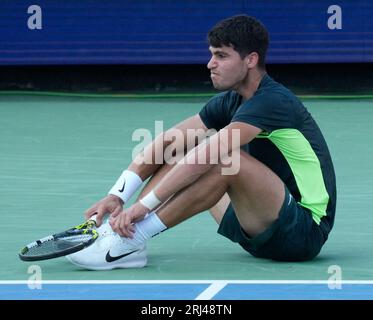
column 243, row 33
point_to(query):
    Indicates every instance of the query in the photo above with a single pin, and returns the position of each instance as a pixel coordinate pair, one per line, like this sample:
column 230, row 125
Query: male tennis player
column 278, row 200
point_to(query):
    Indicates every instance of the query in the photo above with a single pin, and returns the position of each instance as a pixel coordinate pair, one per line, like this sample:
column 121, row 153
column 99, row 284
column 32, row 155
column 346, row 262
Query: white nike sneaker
column 108, row 252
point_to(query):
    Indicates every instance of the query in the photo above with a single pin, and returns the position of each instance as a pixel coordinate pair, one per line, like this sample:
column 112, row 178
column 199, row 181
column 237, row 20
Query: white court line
column 211, row 291
column 369, row 282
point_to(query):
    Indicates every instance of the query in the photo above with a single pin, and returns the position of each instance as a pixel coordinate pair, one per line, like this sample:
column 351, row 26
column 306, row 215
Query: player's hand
column 110, row 204
column 123, row 222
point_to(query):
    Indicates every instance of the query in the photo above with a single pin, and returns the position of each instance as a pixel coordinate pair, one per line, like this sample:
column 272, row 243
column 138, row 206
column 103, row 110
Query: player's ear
column 252, row 60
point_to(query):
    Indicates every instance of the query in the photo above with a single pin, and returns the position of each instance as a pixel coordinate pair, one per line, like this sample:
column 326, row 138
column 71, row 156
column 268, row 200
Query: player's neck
column 251, row 83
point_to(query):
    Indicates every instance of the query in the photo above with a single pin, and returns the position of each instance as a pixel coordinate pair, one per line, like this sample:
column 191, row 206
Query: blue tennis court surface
column 192, row 290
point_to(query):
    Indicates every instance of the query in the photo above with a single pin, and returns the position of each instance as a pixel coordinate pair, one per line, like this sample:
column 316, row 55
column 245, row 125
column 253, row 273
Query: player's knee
column 229, row 164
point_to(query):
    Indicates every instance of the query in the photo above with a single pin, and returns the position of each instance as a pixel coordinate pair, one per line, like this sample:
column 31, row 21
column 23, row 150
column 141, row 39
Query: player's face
column 228, row 70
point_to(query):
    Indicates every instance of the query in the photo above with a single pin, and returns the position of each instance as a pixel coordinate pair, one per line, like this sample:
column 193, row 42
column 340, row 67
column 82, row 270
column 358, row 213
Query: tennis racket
column 61, row 244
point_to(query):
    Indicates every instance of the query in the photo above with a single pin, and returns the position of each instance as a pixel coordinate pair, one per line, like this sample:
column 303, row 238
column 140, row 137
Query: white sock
column 145, row 229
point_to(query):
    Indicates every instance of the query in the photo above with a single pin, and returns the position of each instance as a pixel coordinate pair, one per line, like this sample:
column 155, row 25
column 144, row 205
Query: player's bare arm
column 144, row 165
column 188, row 170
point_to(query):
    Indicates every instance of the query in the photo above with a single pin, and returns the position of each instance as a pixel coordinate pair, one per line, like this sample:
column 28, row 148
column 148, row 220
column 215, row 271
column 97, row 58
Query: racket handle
column 93, row 218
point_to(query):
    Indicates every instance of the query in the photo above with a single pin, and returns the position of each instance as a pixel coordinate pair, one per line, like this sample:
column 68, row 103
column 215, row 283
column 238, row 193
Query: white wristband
column 127, row 184
column 150, row 201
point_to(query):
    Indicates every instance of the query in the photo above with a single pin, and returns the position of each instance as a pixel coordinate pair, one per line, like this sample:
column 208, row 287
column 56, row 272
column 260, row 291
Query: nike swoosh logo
column 124, row 183
column 109, row 258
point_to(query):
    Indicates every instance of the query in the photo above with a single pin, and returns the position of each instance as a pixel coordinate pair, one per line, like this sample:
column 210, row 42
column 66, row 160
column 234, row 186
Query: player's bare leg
column 256, row 193
column 217, row 211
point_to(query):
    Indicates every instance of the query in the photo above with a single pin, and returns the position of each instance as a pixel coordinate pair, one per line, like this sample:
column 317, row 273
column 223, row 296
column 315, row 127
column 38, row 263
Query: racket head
column 60, row 244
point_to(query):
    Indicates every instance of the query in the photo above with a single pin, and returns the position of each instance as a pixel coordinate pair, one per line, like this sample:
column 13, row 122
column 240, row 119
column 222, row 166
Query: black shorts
column 293, row 236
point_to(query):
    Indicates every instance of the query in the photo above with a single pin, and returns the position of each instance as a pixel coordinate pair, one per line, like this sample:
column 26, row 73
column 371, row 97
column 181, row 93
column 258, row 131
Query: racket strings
column 57, row 245
column 52, row 246
column 63, row 242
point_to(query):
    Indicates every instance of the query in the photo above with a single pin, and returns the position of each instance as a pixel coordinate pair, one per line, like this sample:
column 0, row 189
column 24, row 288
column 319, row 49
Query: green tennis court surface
column 59, row 155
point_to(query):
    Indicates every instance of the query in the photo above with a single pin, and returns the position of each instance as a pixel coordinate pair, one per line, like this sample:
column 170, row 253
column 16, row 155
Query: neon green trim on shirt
column 306, row 169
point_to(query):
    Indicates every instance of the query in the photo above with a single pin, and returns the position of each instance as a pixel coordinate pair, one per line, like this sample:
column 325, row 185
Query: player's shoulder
column 226, row 97
column 273, row 92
